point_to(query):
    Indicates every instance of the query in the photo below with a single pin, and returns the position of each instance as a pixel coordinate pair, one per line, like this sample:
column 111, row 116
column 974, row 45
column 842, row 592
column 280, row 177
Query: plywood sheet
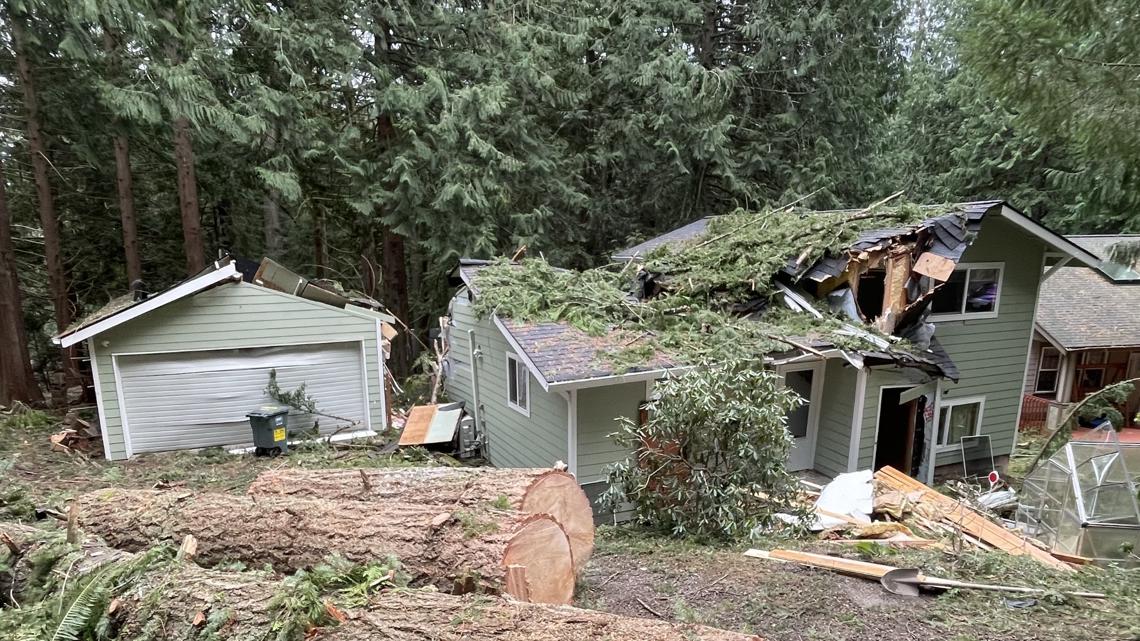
column 419, row 421
column 934, row 266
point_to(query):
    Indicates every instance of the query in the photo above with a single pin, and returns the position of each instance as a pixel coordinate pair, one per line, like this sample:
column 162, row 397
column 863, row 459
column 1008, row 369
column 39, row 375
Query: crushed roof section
column 564, row 353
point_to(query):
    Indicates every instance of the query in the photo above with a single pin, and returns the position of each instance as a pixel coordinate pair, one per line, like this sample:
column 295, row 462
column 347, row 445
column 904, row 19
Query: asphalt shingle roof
column 1080, row 308
column 565, row 353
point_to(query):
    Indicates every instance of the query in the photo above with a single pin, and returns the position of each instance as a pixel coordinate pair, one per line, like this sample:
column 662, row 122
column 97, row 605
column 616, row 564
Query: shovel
column 907, row 581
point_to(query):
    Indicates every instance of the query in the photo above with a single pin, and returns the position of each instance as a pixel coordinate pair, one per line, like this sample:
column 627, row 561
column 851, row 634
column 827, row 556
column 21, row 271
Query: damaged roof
column 561, row 353
column 1081, row 308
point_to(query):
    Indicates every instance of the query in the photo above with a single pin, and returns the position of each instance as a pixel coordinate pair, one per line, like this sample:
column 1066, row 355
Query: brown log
column 177, row 600
column 533, row 491
column 463, row 549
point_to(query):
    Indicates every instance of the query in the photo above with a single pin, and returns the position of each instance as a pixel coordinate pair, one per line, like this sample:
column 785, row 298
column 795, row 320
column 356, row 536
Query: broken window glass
column 983, row 290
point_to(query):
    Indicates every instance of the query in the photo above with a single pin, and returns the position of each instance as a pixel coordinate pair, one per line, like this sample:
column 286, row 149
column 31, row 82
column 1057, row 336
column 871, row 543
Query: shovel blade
column 902, row 581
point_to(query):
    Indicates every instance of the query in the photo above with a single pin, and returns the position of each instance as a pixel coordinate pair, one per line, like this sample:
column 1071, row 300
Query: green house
column 179, row 369
column 544, row 392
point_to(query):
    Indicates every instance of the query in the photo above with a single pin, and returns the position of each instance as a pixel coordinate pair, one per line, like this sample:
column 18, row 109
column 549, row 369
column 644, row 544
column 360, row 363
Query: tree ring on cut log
column 559, row 495
column 539, row 563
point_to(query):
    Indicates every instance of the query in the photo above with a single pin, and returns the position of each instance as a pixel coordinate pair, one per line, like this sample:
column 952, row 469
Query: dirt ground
column 645, row 575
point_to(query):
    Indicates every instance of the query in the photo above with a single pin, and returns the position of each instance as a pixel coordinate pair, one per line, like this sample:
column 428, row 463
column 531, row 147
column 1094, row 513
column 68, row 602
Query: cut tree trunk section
column 532, row 491
column 178, row 600
column 456, row 549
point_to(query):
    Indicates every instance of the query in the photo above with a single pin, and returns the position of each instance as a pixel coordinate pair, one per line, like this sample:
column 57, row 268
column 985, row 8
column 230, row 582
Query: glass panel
column 1093, row 358
column 521, row 376
column 1092, row 380
column 948, row 297
column 800, row 383
column 942, row 422
column 512, row 381
column 983, row 290
column 963, row 420
column 1046, row 381
column 1050, row 358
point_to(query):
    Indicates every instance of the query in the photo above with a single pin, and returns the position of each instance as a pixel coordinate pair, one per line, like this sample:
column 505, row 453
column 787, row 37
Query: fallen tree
column 532, row 491
column 172, row 599
column 458, row 549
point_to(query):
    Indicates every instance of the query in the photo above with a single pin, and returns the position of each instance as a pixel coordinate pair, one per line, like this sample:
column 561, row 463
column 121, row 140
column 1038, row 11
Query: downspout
column 476, row 409
column 931, row 454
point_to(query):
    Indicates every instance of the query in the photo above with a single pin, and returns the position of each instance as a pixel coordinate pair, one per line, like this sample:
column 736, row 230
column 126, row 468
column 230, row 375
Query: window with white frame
column 518, row 385
column 1048, row 366
column 971, row 292
column 958, row 418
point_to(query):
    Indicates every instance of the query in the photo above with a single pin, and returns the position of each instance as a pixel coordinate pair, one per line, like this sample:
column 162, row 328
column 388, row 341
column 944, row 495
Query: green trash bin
column 270, row 425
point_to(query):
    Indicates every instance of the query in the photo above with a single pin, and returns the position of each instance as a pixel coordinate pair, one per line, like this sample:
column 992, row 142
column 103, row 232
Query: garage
column 180, row 369
column 200, row 399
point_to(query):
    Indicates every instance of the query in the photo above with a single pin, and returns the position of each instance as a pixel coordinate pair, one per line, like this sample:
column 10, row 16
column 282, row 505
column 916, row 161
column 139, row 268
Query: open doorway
column 901, row 431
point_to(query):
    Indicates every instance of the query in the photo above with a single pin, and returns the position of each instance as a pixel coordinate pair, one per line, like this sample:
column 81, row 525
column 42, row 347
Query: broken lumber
column 532, row 491
column 178, row 600
column 461, row 550
column 961, row 516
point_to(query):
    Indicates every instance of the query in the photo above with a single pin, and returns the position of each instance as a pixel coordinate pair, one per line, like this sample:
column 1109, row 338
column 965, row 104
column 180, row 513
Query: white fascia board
column 521, row 352
column 370, row 314
column 616, row 379
column 1056, row 241
column 190, row 287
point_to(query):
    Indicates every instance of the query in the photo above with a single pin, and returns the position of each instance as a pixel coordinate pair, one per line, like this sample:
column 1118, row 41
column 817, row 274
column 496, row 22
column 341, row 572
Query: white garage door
column 199, row 399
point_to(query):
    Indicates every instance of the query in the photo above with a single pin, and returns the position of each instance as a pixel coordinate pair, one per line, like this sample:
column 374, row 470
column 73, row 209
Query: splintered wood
column 943, row 510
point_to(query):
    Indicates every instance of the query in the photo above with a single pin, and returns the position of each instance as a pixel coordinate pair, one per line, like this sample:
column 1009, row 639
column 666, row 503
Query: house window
column 958, row 418
column 971, row 292
column 1091, row 377
column 1048, row 365
column 518, row 385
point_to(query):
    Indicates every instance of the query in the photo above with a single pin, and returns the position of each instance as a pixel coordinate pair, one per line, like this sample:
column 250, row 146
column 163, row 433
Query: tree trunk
column 395, row 298
column 17, row 381
column 123, row 177
column 271, row 219
column 178, row 600
column 53, row 256
column 463, row 549
column 188, row 197
column 127, row 209
column 531, row 491
column 320, row 254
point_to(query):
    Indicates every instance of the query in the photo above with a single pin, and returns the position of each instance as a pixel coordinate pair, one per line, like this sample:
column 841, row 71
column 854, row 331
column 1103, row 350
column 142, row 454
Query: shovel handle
column 950, row 583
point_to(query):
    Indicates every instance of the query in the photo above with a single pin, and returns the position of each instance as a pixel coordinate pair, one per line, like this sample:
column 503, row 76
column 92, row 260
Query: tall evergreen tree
column 17, row 382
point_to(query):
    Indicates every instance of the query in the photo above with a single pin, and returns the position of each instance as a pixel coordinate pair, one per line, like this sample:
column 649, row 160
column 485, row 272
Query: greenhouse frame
column 1083, row 501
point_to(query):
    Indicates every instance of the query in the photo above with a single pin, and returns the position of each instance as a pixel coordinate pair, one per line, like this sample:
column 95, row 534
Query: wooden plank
column 967, row 519
column 863, row 569
column 934, row 266
column 416, row 428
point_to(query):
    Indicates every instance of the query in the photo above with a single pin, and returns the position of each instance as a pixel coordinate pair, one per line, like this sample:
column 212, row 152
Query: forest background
column 374, row 143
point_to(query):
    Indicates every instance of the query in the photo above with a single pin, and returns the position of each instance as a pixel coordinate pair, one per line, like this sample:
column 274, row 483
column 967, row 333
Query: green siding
column 512, row 439
column 990, row 353
column 833, row 442
column 598, row 411
column 230, row 316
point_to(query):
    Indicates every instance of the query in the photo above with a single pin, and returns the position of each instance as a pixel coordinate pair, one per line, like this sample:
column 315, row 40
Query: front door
column 803, row 422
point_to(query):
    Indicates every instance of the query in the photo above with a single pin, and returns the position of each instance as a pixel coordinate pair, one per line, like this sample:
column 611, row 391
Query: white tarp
column 850, row 494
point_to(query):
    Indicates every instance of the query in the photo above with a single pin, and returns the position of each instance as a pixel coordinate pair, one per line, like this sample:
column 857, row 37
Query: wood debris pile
column 902, row 498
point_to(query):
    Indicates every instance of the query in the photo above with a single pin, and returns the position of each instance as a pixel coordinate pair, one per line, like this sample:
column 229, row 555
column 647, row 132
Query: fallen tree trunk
column 179, row 600
column 533, row 491
column 460, row 550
